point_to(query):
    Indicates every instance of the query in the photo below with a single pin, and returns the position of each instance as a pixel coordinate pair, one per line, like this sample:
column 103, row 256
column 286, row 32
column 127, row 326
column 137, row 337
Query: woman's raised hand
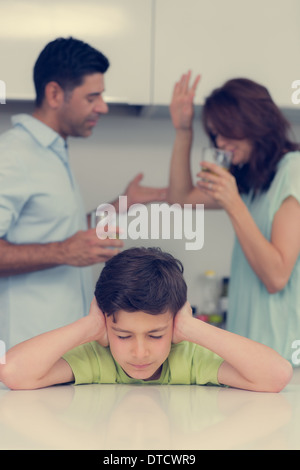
column 182, row 104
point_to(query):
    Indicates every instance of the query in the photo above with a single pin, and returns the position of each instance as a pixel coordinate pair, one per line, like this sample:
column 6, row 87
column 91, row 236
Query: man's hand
column 99, row 320
column 84, row 248
column 137, row 194
column 181, row 321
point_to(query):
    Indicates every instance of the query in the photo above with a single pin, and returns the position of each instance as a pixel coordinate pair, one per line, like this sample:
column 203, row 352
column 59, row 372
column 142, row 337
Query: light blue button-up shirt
column 39, row 203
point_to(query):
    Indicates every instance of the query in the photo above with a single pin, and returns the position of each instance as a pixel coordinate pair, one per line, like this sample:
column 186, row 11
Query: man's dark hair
column 66, row 61
column 141, row 279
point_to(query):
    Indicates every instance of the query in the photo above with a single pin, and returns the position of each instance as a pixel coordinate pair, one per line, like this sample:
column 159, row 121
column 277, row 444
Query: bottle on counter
column 211, row 295
column 198, row 315
column 194, row 310
column 223, row 302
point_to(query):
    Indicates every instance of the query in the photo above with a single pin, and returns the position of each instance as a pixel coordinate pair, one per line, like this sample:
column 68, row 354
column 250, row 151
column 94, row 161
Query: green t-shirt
column 187, row 363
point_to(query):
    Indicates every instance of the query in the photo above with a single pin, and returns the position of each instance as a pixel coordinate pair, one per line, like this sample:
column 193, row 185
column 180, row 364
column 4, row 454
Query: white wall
column 121, row 147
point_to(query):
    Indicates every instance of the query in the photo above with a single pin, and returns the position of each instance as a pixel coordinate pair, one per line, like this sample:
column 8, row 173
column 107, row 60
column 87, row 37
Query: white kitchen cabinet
column 150, row 43
column 257, row 39
column 121, row 29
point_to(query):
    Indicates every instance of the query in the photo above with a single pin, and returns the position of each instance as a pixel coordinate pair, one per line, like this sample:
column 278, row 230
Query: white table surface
column 149, row 417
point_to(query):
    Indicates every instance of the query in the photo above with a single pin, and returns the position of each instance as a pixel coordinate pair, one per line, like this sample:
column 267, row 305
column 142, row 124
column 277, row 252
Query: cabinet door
column 257, row 39
column 121, row 29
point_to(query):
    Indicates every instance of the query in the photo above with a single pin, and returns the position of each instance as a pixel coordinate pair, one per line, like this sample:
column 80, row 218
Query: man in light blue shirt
column 46, row 247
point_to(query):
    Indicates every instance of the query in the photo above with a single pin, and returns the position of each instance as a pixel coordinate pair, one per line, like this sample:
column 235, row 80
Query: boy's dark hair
column 66, row 61
column 141, row 279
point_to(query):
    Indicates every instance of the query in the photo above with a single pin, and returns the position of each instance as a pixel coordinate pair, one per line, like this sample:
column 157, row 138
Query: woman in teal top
column 271, row 317
column 261, row 195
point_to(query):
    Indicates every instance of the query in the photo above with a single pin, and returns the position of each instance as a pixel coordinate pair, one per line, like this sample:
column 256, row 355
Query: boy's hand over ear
column 99, row 322
column 181, row 320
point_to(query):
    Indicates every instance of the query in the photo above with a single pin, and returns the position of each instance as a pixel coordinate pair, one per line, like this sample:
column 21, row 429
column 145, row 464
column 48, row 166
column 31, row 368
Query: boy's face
column 140, row 342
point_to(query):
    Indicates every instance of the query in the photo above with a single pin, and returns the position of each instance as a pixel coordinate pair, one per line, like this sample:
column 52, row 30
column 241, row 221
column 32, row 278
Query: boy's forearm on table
column 231, row 347
column 255, row 362
column 32, row 359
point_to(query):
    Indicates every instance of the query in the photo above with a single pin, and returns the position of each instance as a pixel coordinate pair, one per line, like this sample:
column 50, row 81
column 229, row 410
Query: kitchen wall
column 125, row 143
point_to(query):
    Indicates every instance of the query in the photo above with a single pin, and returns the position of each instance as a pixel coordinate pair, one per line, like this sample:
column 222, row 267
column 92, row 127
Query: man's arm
column 84, row 248
column 247, row 364
column 38, row 362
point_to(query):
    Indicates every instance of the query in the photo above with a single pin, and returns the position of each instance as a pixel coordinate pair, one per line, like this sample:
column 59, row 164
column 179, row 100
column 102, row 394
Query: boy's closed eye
column 150, row 336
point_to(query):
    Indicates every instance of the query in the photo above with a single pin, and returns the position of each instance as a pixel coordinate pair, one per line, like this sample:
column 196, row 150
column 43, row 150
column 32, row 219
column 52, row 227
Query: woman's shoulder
column 290, row 160
column 286, row 181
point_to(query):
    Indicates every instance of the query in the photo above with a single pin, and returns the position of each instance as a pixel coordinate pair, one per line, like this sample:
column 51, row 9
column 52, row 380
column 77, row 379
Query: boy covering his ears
column 140, row 330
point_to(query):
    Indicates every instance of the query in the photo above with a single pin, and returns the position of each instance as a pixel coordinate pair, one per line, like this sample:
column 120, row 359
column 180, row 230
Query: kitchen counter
column 149, row 417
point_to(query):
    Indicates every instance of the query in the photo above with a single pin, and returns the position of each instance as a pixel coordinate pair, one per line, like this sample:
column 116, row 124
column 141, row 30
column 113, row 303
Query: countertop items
column 178, row 417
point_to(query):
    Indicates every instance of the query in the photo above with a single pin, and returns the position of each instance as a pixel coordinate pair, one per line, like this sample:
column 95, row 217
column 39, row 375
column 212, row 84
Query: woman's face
column 240, row 148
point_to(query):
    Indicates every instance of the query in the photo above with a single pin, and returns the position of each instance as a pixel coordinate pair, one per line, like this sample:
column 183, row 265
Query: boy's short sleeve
column 205, row 366
column 192, row 364
column 91, row 363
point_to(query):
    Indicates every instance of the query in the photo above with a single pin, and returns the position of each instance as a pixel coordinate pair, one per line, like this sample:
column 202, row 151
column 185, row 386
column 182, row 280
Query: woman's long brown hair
column 244, row 109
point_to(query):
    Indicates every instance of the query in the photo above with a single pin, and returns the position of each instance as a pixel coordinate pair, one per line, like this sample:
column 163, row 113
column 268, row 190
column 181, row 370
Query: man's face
column 80, row 110
column 140, row 342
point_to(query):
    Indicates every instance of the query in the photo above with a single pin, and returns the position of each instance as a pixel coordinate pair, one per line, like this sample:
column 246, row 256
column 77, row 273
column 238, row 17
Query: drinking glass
column 218, row 156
